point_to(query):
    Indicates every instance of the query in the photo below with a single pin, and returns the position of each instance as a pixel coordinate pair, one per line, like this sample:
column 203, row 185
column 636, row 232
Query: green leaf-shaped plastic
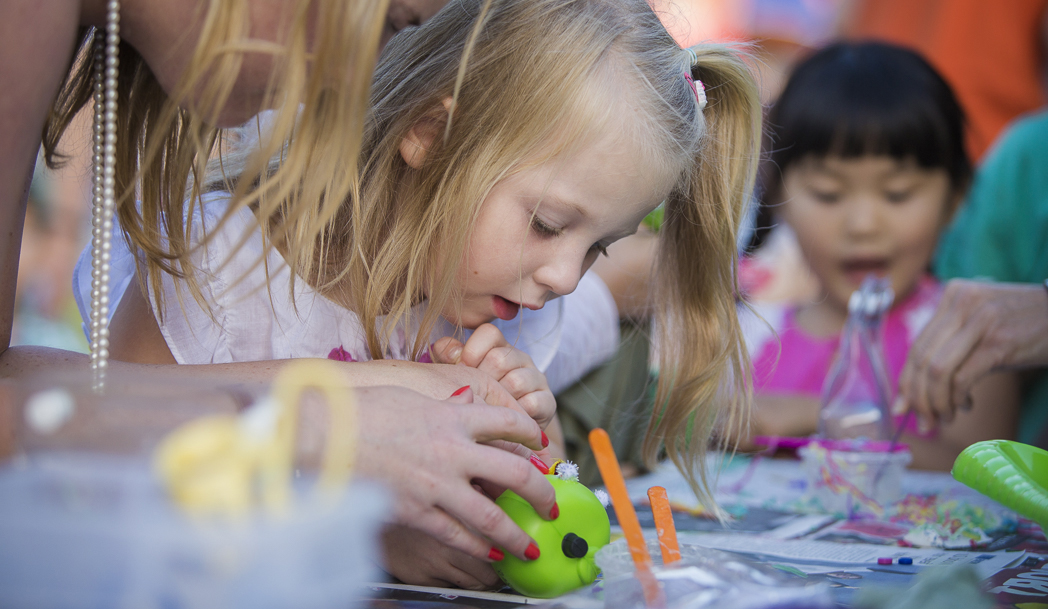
column 1011, row 473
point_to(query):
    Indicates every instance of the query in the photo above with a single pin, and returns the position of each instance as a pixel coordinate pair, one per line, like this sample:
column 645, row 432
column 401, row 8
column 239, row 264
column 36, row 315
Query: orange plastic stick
column 620, row 498
column 660, row 508
column 627, row 516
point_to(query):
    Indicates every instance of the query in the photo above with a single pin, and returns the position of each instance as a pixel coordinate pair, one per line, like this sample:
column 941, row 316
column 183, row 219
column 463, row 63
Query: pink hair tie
column 699, row 91
column 697, row 88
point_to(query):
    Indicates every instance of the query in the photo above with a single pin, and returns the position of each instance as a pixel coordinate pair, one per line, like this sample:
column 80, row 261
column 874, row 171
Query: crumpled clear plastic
column 857, row 394
column 703, row 578
column 85, row 522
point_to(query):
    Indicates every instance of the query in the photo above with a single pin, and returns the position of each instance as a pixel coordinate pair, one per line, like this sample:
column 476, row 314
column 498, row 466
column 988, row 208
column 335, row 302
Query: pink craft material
column 339, row 354
column 884, row 560
column 833, row 479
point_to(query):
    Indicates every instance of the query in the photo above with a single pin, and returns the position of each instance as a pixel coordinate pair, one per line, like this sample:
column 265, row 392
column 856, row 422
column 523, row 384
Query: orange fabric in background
column 991, row 52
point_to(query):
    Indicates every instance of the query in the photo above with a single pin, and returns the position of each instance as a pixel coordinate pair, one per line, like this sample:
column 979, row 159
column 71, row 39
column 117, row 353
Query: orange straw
column 660, row 508
column 608, row 465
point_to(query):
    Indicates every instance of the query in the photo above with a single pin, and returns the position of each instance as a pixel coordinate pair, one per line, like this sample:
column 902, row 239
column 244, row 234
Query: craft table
column 774, row 521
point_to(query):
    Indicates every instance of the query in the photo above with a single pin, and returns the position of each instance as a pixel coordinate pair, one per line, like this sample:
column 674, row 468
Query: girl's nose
column 561, row 272
column 861, row 217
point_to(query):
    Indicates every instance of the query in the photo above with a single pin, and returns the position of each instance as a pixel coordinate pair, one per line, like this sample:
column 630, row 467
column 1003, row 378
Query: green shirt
column 1001, row 233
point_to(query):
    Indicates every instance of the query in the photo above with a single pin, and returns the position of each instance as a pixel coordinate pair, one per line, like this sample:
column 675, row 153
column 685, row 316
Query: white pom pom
column 566, row 470
column 602, row 496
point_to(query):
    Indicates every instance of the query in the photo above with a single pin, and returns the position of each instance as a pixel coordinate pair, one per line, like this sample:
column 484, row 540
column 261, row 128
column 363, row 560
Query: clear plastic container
column 86, row 530
column 853, row 483
column 857, row 393
column 85, row 521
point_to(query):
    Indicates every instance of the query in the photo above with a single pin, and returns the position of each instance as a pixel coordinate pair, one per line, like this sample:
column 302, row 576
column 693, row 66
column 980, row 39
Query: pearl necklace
column 105, row 68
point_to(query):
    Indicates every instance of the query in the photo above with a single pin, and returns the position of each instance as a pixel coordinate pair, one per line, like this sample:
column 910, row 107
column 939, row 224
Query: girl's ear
column 423, row 134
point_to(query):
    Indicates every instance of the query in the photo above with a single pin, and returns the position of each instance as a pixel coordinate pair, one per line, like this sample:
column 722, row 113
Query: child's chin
column 471, row 322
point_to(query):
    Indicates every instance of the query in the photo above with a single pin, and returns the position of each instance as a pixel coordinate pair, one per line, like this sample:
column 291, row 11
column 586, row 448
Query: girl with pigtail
column 487, row 187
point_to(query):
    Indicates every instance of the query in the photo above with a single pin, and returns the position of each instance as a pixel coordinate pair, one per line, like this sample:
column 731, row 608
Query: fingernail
column 923, row 427
column 532, row 553
column 539, row 464
column 554, row 512
column 899, row 406
column 460, row 391
column 545, row 440
column 496, row 554
column 456, row 355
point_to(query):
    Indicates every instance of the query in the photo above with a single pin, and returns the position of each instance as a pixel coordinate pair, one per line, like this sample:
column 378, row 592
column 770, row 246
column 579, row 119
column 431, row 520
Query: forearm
column 780, row 415
column 169, row 395
column 36, row 40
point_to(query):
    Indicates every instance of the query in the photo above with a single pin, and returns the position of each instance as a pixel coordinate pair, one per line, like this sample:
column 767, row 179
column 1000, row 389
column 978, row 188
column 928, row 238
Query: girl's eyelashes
column 900, row 196
column 825, row 196
column 544, row 229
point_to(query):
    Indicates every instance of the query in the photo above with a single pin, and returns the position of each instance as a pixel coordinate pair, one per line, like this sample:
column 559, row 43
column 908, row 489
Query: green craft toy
column 1012, row 473
column 567, row 545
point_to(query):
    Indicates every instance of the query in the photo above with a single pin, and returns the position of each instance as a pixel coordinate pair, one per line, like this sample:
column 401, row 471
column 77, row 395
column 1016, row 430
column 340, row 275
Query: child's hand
column 488, row 351
column 418, row 559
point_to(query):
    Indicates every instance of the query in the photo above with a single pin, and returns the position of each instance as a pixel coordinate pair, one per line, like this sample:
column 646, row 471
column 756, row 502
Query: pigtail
column 704, row 367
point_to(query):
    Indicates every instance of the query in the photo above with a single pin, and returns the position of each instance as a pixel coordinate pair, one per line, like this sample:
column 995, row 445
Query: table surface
column 772, row 509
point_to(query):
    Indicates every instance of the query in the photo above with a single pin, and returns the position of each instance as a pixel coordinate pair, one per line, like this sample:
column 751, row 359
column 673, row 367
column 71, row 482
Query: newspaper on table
column 822, row 554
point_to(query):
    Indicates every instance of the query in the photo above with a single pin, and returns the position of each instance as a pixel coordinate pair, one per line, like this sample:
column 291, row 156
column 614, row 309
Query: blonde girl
column 185, row 68
column 554, row 89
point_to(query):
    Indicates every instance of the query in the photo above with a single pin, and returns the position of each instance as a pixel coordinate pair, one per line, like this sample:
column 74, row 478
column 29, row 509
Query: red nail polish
column 532, row 553
column 545, row 440
column 539, row 465
column 460, row 391
column 496, row 554
column 554, row 512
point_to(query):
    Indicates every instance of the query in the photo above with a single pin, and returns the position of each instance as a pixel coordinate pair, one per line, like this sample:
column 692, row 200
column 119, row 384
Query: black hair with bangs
column 853, row 99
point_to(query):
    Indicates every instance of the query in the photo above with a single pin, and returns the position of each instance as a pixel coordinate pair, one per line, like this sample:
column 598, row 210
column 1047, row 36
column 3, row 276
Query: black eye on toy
column 574, row 546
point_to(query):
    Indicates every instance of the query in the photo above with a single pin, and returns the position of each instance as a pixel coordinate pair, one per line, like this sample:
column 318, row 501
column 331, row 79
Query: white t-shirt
column 244, row 321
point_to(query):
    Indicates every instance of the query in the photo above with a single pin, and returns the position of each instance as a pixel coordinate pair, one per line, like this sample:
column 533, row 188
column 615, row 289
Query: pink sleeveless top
column 804, row 362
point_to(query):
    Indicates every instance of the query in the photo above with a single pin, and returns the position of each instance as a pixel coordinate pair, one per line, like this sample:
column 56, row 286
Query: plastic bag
column 703, row 578
column 856, row 396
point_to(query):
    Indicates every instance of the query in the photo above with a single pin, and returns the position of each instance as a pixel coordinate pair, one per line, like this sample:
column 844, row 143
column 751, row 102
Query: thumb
column 447, row 350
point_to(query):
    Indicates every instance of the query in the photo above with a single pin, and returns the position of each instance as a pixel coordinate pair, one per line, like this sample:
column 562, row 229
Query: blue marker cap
column 905, row 560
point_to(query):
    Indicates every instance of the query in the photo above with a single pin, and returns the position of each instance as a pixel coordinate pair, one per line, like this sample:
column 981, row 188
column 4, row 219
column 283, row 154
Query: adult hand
column 436, row 380
column 430, row 452
column 418, row 559
column 488, row 350
column 979, row 327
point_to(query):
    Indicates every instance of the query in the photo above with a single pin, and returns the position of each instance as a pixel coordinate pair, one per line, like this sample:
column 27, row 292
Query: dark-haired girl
column 868, row 167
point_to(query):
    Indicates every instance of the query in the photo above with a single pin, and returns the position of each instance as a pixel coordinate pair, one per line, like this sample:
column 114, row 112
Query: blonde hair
column 540, row 78
column 324, row 66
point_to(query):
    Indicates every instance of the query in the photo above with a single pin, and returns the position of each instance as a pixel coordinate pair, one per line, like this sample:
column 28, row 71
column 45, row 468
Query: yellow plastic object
column 225, row 464
column 1012, row 473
